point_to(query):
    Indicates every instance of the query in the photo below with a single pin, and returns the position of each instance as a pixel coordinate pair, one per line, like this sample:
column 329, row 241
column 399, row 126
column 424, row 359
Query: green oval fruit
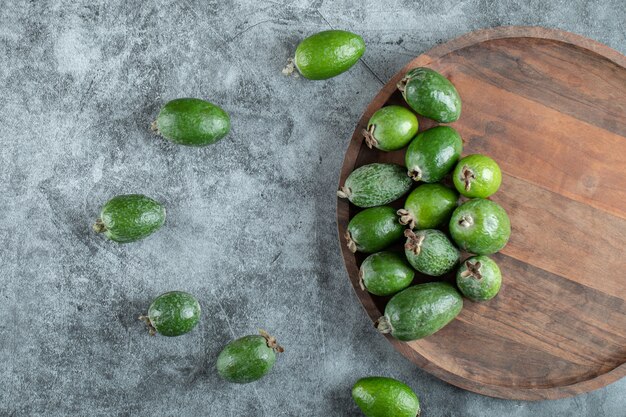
column 378, row 396
column 477, row 176
column 480, row 226
column 479, row 278
column 375, row 184
column 328, row 54
column 431, row 94
column 373, row 229
column 428, row 206
column 192, row 122
column 430, row 252
column 390, row 128
column 433, row 153
column 420, row 311
column 385, row 273
column 248, row 359
column 130, row 217
column 172, row 314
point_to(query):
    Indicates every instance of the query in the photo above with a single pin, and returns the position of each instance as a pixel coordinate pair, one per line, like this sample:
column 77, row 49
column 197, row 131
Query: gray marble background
column 250, row 226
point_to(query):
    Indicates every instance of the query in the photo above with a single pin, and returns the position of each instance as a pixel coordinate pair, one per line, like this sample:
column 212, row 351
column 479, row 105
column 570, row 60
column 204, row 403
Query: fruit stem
column 290, row 68
column 349, row 242
column 361, row 277
column 370, row 140
column 383, row 325
column 344, row 192
column 271, row 342
column 151, row 329
column 406, row 218
column 154, row 127
column 467, row 175
column 466, row 221
column 415, row 242
column 415, row 173
column 99, row 226
column 402, row 84
column 473, row 270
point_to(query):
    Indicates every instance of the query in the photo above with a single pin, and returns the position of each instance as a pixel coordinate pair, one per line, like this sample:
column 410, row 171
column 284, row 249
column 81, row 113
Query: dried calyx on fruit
column 468, row 177
column 473, row 270
column 271, row 342
column 370, row 139
column 414, row 242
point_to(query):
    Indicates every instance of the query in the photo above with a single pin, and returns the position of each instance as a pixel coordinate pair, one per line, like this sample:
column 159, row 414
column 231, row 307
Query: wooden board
column 550, row 108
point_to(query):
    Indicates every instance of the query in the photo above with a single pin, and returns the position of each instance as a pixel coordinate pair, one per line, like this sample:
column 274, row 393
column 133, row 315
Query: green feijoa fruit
column 420, row 311
column 479, row 278
column 373, row 229
column 375, row 185
column 480, row 226
column 433, row 153
column 428, row 206
column 431, row 94
column 477, row 176
column 385, row 273
column 192, row 122
column 390, row 128
column 328, row 54
column 378, row 396
column 130, row 217
column 430, row 251
column 248, row 359
column 172, row 314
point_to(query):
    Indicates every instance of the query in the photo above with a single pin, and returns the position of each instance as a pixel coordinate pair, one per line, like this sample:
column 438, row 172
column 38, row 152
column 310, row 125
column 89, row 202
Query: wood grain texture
column 550, row 108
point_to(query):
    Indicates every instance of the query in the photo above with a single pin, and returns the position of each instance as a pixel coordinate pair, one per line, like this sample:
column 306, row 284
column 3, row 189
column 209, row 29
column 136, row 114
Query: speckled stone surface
column 250, row 228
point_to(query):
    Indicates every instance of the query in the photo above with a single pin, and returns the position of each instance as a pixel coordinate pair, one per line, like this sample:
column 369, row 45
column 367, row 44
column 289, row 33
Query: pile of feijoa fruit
column 441, row 219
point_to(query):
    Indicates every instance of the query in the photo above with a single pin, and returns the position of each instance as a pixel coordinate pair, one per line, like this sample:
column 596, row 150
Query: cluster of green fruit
column 195, row 122
column 478, row 225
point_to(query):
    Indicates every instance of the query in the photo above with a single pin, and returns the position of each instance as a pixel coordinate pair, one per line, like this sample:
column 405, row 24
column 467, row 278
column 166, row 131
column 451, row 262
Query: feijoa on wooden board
column 553, row 177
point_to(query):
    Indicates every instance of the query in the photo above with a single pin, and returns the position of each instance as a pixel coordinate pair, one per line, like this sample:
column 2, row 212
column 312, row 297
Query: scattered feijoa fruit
column 327, row 54
column 480, row 226
column 172, row 314
column 192, row 122
column 385, row 273
column 130, row 217
column 373, row 229
column 430, row 251
column 431, row 94
column 378, row 396
column 477, row 176
column 428, row 206
column 433, row 153
column 420, row 311
column 375, row 185
column 390, row 128
column 248, row 359
column 479, row 278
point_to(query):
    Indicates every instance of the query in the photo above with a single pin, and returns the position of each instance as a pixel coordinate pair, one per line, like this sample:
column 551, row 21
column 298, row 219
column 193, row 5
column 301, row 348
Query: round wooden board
column 550, row 108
